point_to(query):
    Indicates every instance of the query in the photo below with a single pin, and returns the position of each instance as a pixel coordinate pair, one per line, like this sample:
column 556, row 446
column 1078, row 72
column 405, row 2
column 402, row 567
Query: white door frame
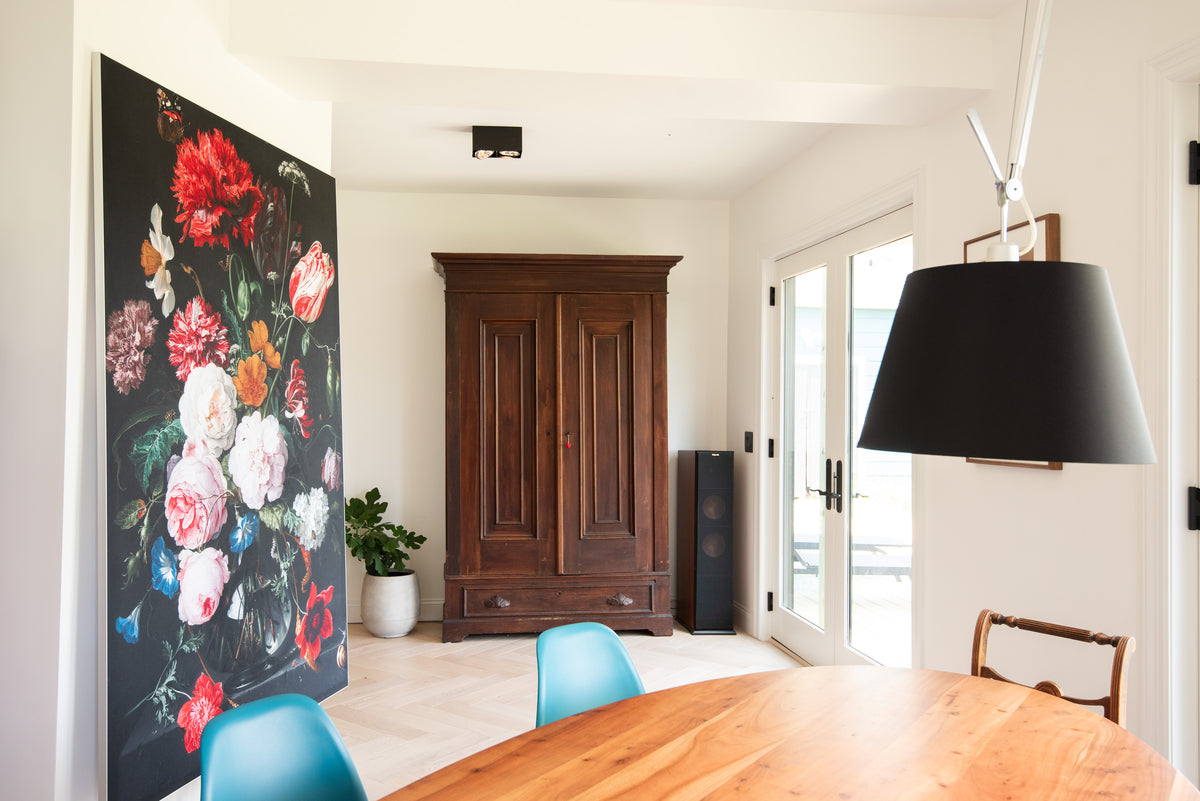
column 828, row 643
column 1171, row 559
column 884, row 200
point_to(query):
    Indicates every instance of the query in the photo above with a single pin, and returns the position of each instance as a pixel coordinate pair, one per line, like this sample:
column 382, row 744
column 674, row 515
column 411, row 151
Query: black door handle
column 833, row 485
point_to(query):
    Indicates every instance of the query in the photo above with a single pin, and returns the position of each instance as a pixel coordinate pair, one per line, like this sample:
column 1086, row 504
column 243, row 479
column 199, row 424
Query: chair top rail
column 1056, row 630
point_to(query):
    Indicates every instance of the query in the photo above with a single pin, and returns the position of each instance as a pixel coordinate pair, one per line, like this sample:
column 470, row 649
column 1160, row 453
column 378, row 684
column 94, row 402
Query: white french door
column 842, row 563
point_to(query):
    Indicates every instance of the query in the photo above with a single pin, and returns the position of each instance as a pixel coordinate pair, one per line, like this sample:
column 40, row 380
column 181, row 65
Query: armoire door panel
column 509, row 422
column 605, row 420
column 605, row 405
column 509, row 426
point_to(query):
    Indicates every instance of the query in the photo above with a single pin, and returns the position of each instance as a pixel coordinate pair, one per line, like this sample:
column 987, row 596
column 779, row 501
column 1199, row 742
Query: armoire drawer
column 584, row 600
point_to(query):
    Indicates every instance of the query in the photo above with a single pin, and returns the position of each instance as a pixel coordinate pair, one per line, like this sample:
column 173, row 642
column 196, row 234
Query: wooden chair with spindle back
column 1113, row 704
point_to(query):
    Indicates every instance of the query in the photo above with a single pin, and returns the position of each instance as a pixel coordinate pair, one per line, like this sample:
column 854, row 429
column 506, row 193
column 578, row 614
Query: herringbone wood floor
column 416, row 704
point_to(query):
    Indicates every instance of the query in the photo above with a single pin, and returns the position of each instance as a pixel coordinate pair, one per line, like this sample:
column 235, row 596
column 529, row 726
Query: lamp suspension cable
column 1009, row 188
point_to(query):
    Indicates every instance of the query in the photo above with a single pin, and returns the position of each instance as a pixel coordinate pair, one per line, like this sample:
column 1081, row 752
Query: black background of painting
column 147, row 760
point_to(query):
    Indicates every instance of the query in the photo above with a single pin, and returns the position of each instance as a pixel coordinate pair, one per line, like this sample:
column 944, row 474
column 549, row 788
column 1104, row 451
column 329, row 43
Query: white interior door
column 841, row 518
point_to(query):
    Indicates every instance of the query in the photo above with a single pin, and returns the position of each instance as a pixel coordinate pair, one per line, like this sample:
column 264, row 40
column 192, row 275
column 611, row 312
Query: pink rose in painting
column 258, row 459
column 195, row 503
column 202, row 576
column 207, row 407
column 197, row 711
column 311, row 278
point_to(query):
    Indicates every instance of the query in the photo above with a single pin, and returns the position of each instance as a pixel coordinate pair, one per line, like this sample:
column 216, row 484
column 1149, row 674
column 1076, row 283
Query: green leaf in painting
column 129, row 514
column 304, row 342
column 243, row 300
column 152, row 449
column 330, row 385
column 271, row 516
column 149, row 413
column 236, row 333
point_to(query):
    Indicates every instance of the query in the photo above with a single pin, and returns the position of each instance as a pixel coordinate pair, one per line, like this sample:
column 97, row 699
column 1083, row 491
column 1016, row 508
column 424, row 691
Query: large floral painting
column 225, row 547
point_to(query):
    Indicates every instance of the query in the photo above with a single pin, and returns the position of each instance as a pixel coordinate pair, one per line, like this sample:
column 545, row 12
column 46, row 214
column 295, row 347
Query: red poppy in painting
column 311, row 278
column 197, row 338
column 297, row 399
column 203, row 706
column 216, row 191
column 316, row 625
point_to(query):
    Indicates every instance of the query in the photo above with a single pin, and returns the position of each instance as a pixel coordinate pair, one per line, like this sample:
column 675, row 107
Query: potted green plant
column 391, row 595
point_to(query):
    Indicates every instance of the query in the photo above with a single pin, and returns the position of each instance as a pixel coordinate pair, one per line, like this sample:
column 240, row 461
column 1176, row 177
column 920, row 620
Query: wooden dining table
column 854, row 732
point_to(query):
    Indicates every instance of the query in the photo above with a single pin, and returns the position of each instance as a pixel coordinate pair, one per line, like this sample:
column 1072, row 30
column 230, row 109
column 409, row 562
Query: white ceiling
column 616, row 98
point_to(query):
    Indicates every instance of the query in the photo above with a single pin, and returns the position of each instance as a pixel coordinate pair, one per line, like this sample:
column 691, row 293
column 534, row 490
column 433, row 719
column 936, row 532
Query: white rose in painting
column 258, row 459
column 313, row 511
column 202, row 577
column 207, row 408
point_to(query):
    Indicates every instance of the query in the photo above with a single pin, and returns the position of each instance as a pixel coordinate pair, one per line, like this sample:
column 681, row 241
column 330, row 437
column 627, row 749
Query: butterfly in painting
column 169, row 119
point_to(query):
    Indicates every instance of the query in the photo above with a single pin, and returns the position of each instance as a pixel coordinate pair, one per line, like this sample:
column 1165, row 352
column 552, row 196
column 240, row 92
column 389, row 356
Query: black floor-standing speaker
column 704, row 542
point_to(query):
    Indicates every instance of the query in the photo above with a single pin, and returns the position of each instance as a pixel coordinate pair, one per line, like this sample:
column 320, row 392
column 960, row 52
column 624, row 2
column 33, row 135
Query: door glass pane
column 803, row 445
column 880, row 483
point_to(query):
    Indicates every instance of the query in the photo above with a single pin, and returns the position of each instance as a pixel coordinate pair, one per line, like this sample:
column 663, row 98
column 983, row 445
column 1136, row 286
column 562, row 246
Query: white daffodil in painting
column 156, row 252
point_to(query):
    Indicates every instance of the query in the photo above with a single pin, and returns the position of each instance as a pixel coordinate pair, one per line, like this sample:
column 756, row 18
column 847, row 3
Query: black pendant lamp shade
column 1008, row 360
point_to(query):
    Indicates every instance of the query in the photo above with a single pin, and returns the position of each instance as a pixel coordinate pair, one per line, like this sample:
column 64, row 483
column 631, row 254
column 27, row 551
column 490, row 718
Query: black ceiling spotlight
column 496, row 141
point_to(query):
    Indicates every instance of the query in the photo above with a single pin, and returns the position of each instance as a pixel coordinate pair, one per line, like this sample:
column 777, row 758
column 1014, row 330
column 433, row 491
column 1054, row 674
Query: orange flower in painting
column 251, row 381
column 152, row 260
column 260, row 342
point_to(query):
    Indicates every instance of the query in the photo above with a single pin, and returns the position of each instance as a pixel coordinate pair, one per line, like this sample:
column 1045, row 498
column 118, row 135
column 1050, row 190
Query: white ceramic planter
column 390, row 604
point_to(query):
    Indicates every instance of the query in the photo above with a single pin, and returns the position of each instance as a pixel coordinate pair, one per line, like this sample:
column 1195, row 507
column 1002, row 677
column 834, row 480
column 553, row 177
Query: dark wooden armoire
column 556, row 442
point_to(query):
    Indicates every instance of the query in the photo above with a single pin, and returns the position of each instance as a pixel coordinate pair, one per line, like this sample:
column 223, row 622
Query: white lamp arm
column 1019, row 143
column 1010, row 188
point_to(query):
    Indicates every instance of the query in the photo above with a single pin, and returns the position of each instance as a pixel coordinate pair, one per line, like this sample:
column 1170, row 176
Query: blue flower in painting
column 243, row 534
column 165, row 569
column 128, row 626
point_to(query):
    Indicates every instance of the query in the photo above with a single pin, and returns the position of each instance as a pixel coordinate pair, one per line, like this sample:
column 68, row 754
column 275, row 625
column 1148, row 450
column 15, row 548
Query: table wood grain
column 820, row 733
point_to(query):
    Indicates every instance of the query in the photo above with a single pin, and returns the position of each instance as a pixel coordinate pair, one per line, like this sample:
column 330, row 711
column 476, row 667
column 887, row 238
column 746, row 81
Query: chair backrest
column 281, row 747
column 1113, row 704
column 582, row 666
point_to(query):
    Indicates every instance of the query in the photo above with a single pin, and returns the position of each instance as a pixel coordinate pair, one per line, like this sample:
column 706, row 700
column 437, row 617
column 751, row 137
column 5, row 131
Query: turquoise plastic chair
column 281, row 747
column 582, row 666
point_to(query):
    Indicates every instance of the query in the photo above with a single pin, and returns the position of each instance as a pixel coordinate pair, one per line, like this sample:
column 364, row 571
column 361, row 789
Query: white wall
column 1063, row 546
column 35, row 40
column 48, row 742
column 393, row 331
